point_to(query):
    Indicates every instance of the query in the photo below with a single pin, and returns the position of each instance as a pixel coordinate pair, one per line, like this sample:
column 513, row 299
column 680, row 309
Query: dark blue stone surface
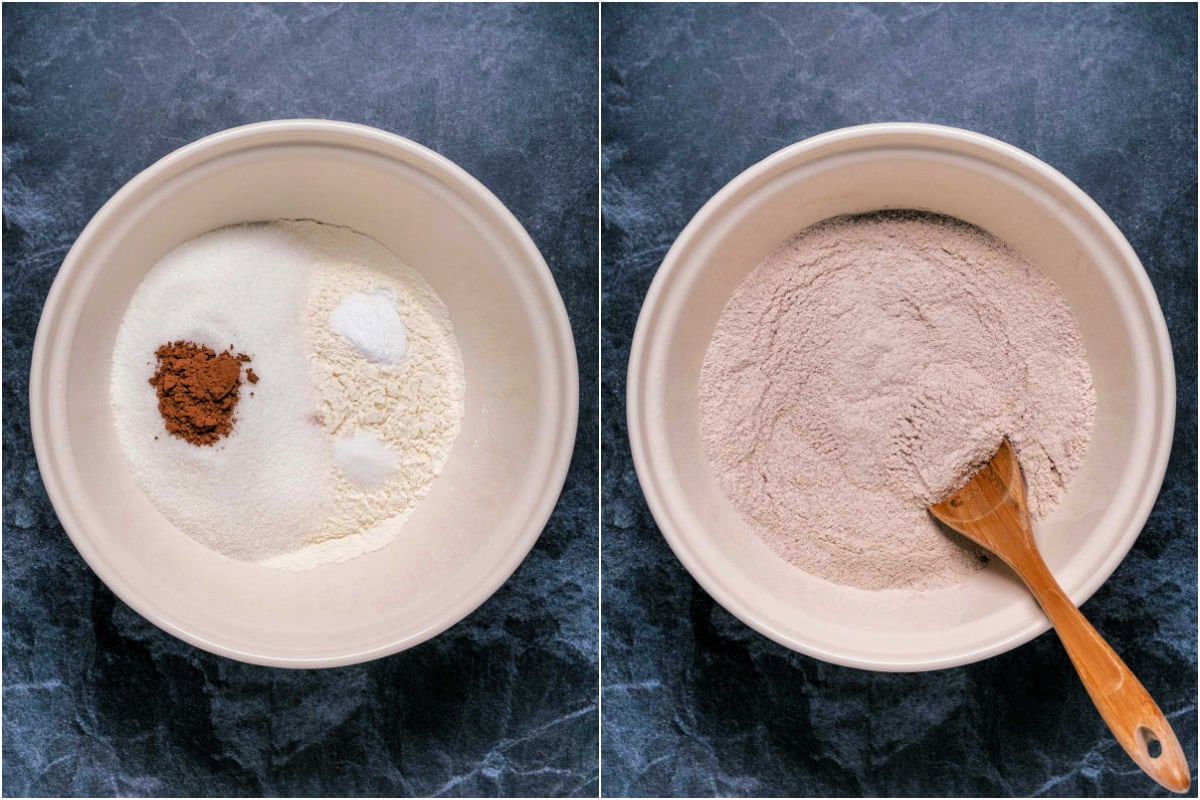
column 98, row 701
column 694, row 701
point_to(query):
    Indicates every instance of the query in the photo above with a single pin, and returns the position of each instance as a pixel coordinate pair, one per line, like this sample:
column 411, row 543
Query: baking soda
column 370, row 321
column 865, row 369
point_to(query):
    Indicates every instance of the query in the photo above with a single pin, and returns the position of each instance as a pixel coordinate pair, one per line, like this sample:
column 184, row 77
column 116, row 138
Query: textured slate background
column 98, row 701
column 694, row 701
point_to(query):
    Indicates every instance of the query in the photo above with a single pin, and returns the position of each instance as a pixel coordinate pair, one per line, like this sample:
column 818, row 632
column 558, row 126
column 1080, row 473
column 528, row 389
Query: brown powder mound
column 197, row 390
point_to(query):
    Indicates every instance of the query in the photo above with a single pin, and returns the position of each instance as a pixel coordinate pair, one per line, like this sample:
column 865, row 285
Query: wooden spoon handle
column 1132, row 715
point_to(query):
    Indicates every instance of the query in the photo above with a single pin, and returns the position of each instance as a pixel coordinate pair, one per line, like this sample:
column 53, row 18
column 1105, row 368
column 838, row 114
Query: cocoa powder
column 198, row 390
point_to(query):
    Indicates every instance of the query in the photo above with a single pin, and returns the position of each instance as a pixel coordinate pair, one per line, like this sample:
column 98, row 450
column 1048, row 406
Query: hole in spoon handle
column 1149, row 741
column 1161, row 756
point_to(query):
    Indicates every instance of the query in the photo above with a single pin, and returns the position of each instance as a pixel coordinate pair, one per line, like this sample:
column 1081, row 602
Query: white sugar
column 265, row 487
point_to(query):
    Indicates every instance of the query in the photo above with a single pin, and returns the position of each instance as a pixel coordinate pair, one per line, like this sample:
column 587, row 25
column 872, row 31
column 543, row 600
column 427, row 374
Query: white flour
column 865, row 369
column 369, row 406
column 333, row 451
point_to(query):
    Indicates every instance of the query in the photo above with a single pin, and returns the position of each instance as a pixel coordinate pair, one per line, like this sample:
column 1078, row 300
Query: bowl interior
column 503, row 474
column 1002, row 191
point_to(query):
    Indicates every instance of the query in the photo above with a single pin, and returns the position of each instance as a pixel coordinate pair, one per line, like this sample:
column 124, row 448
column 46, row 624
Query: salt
column 370, row 321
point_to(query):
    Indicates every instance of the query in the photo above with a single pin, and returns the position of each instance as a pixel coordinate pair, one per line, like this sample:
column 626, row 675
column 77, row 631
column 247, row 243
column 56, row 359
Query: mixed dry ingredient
column 357, row 396
column 865, row 369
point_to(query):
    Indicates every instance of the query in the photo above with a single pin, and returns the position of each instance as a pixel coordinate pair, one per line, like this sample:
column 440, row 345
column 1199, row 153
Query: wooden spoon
column 991, row 511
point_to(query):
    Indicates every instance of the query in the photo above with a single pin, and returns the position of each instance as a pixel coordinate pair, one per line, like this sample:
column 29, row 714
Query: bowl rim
column 929, row 136
column 49, row 438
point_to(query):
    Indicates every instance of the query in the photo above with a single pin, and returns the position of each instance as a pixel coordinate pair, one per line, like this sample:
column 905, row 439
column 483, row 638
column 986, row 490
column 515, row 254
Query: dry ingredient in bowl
column 362, row 397
column 865, row 368
column 370, row 321
column 198, row 390
column 390, row 392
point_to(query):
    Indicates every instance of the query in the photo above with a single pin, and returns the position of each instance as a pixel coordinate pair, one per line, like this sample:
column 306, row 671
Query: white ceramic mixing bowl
column 1002, row 190
column 504, row 472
